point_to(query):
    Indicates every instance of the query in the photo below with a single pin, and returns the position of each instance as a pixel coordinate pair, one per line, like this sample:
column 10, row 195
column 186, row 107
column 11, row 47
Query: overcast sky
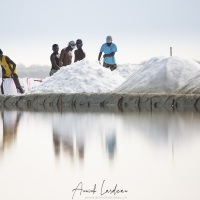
column 141, row 29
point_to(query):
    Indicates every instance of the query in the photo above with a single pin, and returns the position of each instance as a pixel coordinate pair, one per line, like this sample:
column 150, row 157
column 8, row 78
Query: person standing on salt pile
column 66, row 54
column 79, row 53
column 109, row 50
column 9, row 71
column 54, row 59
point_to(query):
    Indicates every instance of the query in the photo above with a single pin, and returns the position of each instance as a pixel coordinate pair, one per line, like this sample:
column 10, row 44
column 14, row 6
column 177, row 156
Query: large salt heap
column 126, row 70
column 84, row 76
column 192, row 86
column 160, row 75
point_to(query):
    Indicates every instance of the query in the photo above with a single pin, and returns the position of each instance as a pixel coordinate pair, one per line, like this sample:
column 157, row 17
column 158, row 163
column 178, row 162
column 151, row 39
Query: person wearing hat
column 109, row 50
column 79, row 53
column 54, row 59
column 66, row 54
column 9, row 71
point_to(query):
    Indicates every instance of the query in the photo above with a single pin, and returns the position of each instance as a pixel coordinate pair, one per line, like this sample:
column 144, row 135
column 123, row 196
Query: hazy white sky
column 141, row 29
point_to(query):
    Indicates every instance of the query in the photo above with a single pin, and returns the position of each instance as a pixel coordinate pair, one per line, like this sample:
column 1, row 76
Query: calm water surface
column 60, row 156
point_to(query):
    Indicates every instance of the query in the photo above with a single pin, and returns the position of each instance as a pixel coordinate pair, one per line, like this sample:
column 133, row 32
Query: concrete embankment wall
column 100, row 102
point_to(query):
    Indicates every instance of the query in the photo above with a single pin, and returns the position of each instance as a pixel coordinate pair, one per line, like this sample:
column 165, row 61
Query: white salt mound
column 126, row 70
column 78, row 77
column 160, row 75
column 192, row 86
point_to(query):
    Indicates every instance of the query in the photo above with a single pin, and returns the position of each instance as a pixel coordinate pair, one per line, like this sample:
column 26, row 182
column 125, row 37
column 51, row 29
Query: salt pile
column 127, row 69
column 192, row 86
column 83, row 76
column 160, row 75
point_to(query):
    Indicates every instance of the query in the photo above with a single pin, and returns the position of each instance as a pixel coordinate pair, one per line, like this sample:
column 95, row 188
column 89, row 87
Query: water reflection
column 70, row 131
column 67, row 139
column 153, row 155
column 111, row 144
column 10, row 122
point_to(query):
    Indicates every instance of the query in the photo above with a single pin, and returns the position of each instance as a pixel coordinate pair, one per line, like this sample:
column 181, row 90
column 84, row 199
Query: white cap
column 72, row 44
column 108, row 39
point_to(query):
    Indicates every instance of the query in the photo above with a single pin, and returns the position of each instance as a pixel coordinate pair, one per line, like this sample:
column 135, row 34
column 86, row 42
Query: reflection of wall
column 10, row 121
column 162, row 127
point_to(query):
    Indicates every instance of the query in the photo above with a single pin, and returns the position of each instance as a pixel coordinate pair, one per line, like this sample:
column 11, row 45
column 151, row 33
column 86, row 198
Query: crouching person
column 9, row 71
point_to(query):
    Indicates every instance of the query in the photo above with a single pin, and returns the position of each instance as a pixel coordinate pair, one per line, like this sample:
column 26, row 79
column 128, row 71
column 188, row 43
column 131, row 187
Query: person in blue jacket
column 109, row 50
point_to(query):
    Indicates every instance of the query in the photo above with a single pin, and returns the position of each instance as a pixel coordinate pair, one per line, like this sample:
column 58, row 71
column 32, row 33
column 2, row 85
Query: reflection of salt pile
column 192, row 86
column 83, row 76
column 160, row 75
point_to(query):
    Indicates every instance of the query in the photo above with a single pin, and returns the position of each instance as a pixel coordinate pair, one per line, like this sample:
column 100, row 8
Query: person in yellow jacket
column 9, row 71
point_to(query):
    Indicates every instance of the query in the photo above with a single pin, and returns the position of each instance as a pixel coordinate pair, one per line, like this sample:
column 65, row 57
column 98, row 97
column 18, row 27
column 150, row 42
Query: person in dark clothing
column 79, row 53
column 9, row 71
column 54, row 59
column 10, row 121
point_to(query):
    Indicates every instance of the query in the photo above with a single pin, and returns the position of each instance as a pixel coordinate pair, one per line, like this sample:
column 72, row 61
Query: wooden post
column 170, row 51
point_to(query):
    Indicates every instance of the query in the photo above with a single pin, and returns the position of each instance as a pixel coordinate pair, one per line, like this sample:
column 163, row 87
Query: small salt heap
column 79, row 77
